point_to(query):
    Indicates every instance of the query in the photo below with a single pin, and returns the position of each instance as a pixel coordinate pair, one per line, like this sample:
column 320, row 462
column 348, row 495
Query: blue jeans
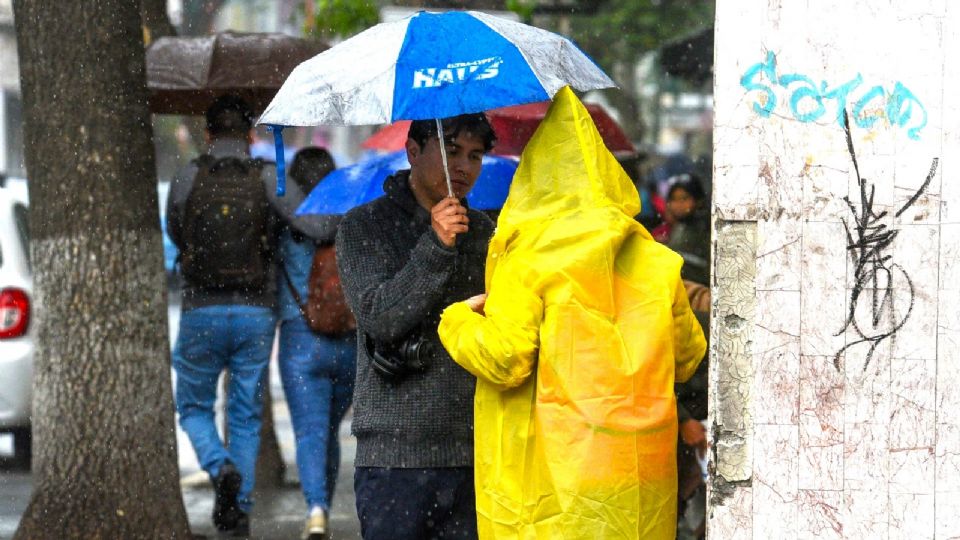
column 415, row 504
column 317, row 373
column 212, row 339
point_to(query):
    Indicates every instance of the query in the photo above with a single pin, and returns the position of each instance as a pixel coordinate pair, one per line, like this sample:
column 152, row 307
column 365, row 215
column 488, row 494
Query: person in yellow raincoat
column 576, row 350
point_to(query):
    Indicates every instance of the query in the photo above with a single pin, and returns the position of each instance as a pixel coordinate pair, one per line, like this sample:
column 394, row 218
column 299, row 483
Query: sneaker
column 227, row 486
column 316, row 526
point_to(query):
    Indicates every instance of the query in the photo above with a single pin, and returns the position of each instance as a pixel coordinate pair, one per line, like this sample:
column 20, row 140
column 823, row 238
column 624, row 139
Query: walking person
column 576, row 350
column 403, row 257
column 316, row 366
column 223, row 215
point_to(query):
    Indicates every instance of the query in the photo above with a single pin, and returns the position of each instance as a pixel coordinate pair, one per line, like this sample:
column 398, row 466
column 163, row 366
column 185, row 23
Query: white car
column 17, row 333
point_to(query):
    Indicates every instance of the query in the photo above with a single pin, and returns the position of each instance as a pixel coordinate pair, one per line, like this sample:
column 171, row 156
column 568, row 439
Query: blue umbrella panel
column 352, row 186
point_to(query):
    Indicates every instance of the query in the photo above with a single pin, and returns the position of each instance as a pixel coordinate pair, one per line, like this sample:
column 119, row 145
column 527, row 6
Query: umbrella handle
column 281, row 161
column 443, row 156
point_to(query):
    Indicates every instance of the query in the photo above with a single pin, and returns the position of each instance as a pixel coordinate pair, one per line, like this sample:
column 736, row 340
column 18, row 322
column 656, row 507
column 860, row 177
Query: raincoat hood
column 586, row 328
column 566, row 168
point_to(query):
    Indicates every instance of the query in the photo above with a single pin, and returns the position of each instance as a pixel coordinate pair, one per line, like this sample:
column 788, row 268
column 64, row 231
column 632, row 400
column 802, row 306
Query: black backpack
column 226, row 226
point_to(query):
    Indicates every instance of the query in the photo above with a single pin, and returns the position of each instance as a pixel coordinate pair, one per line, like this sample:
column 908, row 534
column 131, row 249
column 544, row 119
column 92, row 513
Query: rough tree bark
column 271, row 469
column 105, row 457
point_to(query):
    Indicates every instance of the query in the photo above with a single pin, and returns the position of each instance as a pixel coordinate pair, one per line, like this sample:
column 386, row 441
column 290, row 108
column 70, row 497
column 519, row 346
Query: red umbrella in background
column 514, row 126
column 390, row 138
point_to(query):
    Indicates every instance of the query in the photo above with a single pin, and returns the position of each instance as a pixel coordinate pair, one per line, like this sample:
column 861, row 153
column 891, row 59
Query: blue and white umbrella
column 352, row 186
column 430, row 66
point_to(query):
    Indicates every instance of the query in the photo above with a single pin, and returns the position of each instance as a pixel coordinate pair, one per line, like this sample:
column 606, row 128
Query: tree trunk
column 270, row 469
column 270, row 466
column 105, row 454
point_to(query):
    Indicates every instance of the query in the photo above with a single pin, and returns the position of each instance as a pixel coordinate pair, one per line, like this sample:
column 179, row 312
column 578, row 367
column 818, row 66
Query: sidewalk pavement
column 278, row 514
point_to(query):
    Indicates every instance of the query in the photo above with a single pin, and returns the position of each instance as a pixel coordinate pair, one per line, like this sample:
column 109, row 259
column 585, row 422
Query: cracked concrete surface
column 809, row 442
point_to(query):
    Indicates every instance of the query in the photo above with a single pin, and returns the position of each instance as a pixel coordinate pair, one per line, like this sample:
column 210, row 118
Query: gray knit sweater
column 398, row 277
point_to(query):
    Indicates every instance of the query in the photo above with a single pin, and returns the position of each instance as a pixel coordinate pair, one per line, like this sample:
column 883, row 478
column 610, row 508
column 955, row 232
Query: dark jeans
column 416, row 504
column 317, row 374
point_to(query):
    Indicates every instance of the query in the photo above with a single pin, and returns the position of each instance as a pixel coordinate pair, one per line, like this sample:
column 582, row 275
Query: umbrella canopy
column 431, row 65
column 185, row 74
column 352, row 186
column 514, row 126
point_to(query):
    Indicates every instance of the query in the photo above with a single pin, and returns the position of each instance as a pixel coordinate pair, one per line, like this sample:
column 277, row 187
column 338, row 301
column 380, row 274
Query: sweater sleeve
column 501, row 346
column 321, row 228
column 386, row 303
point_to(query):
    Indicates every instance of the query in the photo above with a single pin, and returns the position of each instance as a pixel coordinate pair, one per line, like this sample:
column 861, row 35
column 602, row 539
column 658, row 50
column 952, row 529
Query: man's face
column 464, row 158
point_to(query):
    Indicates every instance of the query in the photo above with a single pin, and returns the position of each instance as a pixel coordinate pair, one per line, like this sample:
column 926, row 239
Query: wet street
column 278, row 513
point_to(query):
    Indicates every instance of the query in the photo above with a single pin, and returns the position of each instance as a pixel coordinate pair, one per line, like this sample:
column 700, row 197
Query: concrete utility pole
column 836, row 337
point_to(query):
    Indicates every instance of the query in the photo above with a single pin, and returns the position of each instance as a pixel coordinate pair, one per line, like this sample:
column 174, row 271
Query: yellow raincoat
column 586, row 328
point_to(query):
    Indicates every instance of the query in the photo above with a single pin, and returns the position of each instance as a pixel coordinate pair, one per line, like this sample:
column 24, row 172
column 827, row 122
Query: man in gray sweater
column 403, row 258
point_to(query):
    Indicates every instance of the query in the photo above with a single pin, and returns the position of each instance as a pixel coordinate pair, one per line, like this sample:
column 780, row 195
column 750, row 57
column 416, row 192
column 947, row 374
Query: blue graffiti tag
column 807, row 100
column 768, row 68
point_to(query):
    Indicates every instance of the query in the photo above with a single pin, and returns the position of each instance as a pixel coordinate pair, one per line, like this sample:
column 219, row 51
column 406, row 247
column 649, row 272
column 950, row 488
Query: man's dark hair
column 309, row 166
column 475, row 124
column 229, row 116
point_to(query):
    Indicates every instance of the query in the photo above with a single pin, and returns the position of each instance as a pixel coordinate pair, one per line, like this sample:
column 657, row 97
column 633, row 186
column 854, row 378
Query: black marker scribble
column 873, row 270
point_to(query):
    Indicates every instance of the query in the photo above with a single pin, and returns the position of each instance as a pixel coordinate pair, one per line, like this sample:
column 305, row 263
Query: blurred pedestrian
column 689, row 233
column 316, row 367
column 661, row 233
column 576, row 350
column 223, row 215
column 403, row 257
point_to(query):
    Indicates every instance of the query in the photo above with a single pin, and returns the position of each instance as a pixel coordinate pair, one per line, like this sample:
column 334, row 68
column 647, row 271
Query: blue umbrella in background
column 352, row 186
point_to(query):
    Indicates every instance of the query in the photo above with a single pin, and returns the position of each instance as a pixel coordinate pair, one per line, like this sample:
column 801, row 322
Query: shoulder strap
column 293, row 290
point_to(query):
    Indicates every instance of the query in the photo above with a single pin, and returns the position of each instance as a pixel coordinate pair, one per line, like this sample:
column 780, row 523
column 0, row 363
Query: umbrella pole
column 443, row 156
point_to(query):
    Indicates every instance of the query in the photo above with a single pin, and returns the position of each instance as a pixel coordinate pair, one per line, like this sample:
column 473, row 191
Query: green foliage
column 342, row 17
column 621, row 31
column 523, row 8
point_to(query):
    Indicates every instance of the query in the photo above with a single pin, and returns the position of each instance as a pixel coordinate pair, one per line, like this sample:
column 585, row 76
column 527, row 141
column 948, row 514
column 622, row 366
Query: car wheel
column 22, row 448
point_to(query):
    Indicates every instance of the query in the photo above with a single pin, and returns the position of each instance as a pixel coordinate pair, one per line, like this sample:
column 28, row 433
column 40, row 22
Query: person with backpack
column 223, row 215
column 318, row 347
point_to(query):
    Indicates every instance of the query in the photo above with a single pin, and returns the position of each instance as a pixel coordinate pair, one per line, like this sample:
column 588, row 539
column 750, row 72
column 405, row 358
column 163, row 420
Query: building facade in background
column 11, row 115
